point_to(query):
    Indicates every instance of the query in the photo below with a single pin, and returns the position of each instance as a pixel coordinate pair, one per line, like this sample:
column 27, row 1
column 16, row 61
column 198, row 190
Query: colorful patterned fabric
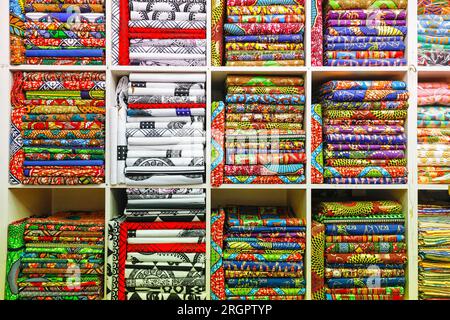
column 57, row 128
column 57, row 34
column 359, row 132
column 55, row 257
column 257, row 253
column 259, row 108
column 359, row 250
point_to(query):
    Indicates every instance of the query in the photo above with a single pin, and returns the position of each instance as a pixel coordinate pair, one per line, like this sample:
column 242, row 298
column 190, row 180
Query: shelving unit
column 21, row 201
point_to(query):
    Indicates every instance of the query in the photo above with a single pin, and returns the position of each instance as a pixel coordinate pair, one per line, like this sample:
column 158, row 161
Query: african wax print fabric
column 258, row 33
column 359, row 251
column 252, row 255
column 56, row 257
column 358, row 133
column 433, row 33
column 257, row 132
column 57, row 132
column 362, row 33
column 433, row 229
column 62, row 33
column 433, row 149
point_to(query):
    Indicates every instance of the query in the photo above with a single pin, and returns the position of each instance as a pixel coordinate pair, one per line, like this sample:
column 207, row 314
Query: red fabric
column 165, row 225
column 168, row 247
column 124, row 43
column 147, row 33
column 160, row 247
column 165, row 105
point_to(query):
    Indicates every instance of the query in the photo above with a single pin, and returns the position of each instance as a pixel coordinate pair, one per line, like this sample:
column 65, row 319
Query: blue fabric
column 64, row 163
column 372, row 282
column 364, row 229
column 64, row 53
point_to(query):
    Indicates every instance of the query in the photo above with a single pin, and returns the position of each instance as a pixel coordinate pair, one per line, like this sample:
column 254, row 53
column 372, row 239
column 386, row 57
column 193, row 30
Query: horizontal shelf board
column 37, row 186
column 56, row 68
column 147, row 69
column 433, row 186
column 361, row 186
column 433, row 69
column 360, row 69
column 261, row 186
column 259, row 69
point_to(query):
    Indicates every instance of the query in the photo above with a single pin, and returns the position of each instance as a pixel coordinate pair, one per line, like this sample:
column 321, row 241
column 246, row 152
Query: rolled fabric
column 264, row 170
column 241, row 29
column 359, row 208
column 292, row 179
column 365, row 282
column 366, row 62
column 265, row 282
column 364, row 147
column 294, row 38
column 363, row 229
column 371, row 13
column 365, row 162
column 366, row 46
column 371, row 23
column 365, row 172
column 366, row 4
column 366, row 114
column 381, row 154
column 403, row 180
column 366, row 139
column 364, row 54
column 366, row 95
column 388, row 130
column 265, row 10
column 367, row 31
column 362, row 39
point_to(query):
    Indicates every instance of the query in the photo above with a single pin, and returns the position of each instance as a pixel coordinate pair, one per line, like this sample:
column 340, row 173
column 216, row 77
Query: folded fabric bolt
column 361, row 250
column 362, row 33
column 159, row 34
column 258, row 136
column 360, row 134
column 158, row 246
column 257, row 251
column 41, row 251
column 47, row 33
column 159, row 123
column 60, row 117
column 432, row 133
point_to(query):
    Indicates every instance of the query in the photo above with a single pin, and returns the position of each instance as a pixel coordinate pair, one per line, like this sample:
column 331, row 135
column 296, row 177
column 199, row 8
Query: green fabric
column 16, row 246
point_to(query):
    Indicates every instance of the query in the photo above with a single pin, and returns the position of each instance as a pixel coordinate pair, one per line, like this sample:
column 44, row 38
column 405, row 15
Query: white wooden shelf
column 21, row 201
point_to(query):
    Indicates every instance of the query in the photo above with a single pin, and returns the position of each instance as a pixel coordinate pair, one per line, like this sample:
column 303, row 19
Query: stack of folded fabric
column 433, row 30
column 434, row 252
column 433, row 132
column 365, row 33
column 59, row 257
column 157, row 249
column 58, row 128
column 359, row 251
column 160, row 127
column 264, row 33
column 257, row 254
column 263, row 128
column 66, row 32
column 159, row 32
column 363, row 126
